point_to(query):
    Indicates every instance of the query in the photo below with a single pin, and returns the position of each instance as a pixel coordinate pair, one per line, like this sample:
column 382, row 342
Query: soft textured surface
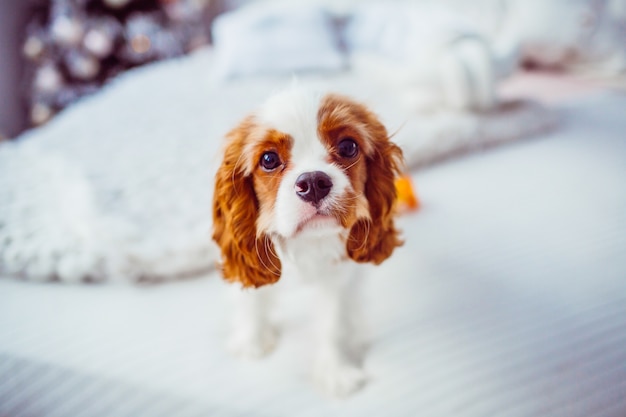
column 275, row 39
column 119, row 186
column 508, row 299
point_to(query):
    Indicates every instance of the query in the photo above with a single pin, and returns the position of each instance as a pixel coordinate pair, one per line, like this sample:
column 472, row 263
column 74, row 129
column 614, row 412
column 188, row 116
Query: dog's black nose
column 312, row 187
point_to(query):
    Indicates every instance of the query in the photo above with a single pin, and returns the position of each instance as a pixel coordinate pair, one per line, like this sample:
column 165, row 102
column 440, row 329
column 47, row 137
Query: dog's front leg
column 253, row 335
column 337, row 370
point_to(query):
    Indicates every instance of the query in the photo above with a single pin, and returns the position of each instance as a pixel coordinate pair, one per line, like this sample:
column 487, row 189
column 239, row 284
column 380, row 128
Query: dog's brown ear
column 247, row 258
column 374, row 239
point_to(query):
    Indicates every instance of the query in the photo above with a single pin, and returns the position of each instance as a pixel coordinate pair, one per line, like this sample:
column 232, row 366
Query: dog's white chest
column 314, row 258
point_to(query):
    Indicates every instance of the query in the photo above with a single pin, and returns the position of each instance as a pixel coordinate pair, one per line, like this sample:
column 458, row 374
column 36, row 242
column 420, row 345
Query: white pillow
column 275, row 39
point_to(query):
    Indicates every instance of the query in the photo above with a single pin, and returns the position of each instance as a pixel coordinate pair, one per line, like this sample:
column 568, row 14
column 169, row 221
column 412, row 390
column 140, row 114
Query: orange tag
column 407, row 199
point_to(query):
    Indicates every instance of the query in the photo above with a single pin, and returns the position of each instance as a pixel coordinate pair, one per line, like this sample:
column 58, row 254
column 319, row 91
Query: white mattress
column 508, row 299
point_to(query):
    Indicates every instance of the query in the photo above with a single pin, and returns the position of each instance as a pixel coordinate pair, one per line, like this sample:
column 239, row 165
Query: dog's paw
column 253, row 344
column 339, row 378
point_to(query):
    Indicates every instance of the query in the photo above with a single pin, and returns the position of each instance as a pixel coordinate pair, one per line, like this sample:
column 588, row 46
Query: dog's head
column 304, row 164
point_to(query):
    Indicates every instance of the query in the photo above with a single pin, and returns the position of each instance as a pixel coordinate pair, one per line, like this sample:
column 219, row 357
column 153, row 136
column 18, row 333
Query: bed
column 507, row 299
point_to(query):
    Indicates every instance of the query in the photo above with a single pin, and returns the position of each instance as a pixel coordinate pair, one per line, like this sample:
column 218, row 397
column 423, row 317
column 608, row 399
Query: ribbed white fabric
column 508, row 300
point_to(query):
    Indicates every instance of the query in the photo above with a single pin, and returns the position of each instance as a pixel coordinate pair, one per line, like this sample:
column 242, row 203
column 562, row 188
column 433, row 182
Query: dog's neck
column 314, row 255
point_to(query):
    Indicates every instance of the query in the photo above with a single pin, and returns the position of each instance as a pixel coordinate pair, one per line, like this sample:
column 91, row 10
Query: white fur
column 294, row 112
column 314, row 261
column 314, row 256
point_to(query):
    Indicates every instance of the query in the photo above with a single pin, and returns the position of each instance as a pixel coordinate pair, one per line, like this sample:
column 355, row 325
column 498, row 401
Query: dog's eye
column 270, row 161
column 348, row 148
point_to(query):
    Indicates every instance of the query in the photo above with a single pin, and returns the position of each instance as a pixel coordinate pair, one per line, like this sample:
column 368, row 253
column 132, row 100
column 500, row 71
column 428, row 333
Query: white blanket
column 508, row 300
column 119, row 186
column 275, row 39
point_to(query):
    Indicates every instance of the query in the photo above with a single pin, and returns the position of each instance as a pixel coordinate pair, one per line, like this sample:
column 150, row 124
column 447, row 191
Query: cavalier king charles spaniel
column 305, row 188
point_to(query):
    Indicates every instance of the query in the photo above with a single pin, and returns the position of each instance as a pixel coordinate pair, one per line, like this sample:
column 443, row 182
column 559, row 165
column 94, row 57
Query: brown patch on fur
column 248, row 256
column 374, row 239
column 266, row 184
column 337, row 122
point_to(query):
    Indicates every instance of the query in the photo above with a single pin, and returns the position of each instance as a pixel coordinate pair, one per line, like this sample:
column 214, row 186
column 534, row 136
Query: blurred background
column 508, row 298
column 54, row 52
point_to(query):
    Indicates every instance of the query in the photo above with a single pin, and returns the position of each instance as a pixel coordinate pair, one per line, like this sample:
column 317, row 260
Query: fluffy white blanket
column 119, row 186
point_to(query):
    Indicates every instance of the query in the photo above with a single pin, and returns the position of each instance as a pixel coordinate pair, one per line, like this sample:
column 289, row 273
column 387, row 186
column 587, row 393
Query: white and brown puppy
column 306, row 185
